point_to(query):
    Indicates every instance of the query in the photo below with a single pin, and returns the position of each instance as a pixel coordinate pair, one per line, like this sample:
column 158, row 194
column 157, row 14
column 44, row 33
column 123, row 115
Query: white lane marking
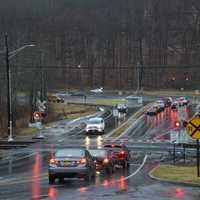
column 61, row 140
column 138, row 169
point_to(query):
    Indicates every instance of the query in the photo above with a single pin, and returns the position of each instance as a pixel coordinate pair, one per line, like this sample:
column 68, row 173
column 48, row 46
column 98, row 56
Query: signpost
column 115, row 115
column 193, row 129
column 38, row 119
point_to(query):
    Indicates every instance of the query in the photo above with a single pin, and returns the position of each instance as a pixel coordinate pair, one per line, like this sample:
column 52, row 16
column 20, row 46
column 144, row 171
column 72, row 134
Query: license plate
column 63, row 163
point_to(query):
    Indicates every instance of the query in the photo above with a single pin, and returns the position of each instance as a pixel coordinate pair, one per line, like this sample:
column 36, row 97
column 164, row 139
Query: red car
column 103, row 160
column 120, row 154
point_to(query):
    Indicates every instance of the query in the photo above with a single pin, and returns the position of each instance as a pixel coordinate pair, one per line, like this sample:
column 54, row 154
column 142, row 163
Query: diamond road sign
column 193, row 127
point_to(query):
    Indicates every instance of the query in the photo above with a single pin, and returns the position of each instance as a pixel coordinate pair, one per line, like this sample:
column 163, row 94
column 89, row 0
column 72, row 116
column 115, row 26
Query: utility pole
column 139, row 76
column 9, row 93
column 8, row 56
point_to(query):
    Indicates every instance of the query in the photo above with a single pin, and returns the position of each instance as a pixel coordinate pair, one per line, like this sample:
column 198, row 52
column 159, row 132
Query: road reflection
column 52, row 192
column 36, row 170
column 179, row 192
column 122, row 184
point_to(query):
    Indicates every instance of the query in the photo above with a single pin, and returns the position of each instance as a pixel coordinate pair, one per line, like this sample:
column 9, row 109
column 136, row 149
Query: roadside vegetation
column 180, row 173
column 58, row 112
column 110, row 102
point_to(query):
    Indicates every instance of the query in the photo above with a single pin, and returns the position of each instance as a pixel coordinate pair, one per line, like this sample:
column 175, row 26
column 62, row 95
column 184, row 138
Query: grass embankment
column 168, row 93
column 186, row 174
column 71, row 111
column 110, row 102
column 58, row 112
column 120, row 130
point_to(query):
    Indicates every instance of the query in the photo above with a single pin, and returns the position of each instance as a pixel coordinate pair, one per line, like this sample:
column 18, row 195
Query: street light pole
column 9, row 93
column 8, row 56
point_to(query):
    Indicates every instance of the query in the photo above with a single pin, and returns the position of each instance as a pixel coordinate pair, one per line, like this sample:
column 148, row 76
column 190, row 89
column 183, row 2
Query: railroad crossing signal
column 37, row 115
column 177, row 124
column 193, row 127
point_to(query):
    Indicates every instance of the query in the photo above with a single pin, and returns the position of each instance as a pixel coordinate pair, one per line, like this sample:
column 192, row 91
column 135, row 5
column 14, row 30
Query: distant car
column 168, row 101
column 95, row 125
column 55, row 99
column 161, row 105
column 174, row 105
column 103, row 160
column 97, row 90
column 182, row 101
column 120, row 154
column 157, row 107
column 71, row 162
column 152, row 111
column 122, row 108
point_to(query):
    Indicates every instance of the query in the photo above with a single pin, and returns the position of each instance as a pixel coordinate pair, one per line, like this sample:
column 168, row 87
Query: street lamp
column 8, row 56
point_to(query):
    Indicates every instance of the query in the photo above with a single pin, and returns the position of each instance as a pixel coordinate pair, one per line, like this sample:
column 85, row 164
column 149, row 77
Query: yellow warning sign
column 193, row 127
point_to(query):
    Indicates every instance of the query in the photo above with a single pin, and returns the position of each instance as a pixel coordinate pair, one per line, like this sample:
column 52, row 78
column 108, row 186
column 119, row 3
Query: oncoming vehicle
column 70, row 163
column 120, row 154
column 103, row 160
column 122, row 108
column 95, row 125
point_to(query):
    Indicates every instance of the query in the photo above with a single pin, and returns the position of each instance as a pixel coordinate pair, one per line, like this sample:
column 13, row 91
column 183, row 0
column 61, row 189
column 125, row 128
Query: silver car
column 71, row 163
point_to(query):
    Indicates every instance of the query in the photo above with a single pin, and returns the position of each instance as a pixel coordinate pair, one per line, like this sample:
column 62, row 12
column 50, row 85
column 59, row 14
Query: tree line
column 88, row 43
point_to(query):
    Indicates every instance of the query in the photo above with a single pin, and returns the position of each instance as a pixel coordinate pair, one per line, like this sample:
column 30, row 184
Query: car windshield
column 94, row 121
column 97, row 152
column 70, row 153
column 112, row 146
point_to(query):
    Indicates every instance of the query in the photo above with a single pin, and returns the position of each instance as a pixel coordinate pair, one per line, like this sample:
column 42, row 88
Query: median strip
column 127, row 125
column 176, row 173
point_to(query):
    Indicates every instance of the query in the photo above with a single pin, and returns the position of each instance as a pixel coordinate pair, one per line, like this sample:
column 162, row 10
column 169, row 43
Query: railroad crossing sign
column 193, row 127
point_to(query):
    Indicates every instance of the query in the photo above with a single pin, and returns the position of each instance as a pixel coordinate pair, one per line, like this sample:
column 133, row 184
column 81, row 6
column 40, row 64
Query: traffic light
column 177, row 124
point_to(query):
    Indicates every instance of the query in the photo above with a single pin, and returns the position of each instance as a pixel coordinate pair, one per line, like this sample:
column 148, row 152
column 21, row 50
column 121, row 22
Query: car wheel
column 113, row 168
column 51, row 179
column 124, row 164
column 61, row 180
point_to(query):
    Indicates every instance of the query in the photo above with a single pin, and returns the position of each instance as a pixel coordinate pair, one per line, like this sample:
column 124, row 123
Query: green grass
column 71, row 110
column 60, row 111
column 120, row 130
column 187, row 174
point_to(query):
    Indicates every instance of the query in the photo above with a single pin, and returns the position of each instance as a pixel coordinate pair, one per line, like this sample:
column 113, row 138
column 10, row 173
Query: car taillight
column 122, row 152
column 53, row 161
column 82, row 161
column 105, row 161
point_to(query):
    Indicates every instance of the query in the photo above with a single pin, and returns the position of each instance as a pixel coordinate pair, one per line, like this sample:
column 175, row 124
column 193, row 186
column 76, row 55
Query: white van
column 95, row 125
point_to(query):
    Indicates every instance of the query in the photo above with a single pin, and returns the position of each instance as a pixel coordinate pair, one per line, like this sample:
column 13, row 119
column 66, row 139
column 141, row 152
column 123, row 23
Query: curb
column 187, row 184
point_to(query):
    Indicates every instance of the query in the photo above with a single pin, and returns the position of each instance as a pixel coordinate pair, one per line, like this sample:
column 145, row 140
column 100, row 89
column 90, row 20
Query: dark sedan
column 120, row 154
column 103, row 160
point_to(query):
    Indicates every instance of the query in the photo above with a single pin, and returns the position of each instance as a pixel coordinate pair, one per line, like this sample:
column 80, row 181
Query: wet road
column 27, row 179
